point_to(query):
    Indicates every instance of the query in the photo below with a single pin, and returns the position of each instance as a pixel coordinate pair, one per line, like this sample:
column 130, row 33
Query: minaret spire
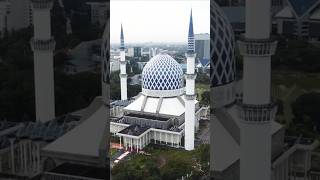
column 123, row 73
column 190, row 90
column 122, row 39
column 191, row 42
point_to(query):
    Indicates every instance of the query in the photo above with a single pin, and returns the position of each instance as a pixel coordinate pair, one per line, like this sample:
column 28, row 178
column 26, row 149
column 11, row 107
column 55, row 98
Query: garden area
column 298, row 97
column 203, row 89
column 164, row 163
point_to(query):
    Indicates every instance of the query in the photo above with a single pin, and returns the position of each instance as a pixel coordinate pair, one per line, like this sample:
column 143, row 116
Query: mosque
column 56, row 147
column 246, row 142
column 165, row 112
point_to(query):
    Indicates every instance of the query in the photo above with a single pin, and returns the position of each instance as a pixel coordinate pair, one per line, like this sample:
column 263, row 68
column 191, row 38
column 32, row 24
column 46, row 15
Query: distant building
column 130, row 52
column 235, row 12
column 231, row 2
column 145, row 52
column 141, row 65
column 234, row 3
column 154, row 51
column 137, row 52
column 202, row 46
column 14, row 15
column 236, row 16
column 299, row 18
column 203, row 65
column 114, row 65
column 99, row 12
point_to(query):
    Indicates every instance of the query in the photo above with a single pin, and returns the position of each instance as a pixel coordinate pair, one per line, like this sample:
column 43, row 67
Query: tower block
column 190, row 90
column 257, row 111
column 43, row 45
column 123, row 73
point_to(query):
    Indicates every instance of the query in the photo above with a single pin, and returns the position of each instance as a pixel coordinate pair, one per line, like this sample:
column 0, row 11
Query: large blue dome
column 162, row 76
column 223, row 64
column 223, row 48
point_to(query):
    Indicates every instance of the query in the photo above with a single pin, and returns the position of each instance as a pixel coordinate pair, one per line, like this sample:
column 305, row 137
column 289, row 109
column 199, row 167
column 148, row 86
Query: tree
column 133, row 90
column 306, row 111
column 202, row 78
column 205, row 98
column 176, row 168
column 297, row 54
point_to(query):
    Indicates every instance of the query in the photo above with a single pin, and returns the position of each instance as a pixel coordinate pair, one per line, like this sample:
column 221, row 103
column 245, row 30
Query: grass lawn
column 112, row 152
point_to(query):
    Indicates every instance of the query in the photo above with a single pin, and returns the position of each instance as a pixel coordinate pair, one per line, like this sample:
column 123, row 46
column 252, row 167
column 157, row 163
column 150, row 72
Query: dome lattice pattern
column 223, row 44
column 162, row 72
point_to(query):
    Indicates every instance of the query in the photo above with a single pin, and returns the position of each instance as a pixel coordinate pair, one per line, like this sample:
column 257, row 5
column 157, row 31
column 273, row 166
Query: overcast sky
column 157, row 20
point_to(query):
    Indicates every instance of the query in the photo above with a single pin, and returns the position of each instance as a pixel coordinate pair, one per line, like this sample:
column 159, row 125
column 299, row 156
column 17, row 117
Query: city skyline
column 148, row 23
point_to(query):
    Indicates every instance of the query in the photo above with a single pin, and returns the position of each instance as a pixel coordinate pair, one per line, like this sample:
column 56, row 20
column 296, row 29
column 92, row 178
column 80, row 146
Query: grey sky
column 157, row 20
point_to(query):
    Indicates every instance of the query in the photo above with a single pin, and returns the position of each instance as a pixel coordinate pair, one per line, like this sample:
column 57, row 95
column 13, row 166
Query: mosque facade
column 166, row 112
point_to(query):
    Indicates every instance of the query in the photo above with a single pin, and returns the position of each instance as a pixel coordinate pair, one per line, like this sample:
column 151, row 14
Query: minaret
column 190, row 90
column 105, row 65
column 105, row 81
column 123, row 73
column 257, row 111
column 43, row 45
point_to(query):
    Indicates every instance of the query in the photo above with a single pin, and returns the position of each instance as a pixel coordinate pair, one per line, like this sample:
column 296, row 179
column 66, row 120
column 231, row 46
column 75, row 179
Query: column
column 12, row 155
column 131, row 144
column 38, row 158
column 21, row 156
column 25, row 155
column 166, row 138
column 172, row 140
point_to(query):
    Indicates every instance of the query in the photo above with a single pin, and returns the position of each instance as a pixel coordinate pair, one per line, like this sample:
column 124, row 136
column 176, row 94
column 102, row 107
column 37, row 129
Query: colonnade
column 25, row 157
column 157, row 137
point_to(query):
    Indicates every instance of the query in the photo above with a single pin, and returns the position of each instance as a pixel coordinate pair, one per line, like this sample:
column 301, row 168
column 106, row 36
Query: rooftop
column 146, row 116
column 134, row 130
column 88, row 134
column 80, row 171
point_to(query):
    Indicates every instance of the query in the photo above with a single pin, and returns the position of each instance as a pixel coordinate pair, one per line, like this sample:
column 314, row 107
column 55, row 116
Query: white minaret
column 105, row 65
column 43, row 45
column 190, row 90
column 257, row 110
column 123, row 73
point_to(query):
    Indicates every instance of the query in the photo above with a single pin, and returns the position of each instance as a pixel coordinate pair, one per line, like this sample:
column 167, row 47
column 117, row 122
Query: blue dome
column 223, row 43
column 223, row 64
column 162, row 74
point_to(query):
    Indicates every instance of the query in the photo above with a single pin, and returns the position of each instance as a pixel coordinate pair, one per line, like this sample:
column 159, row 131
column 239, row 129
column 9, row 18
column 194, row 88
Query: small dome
column 162, row 76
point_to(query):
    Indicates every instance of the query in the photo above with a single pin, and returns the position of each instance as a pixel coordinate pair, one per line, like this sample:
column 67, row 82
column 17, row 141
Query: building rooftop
column 173, row 106
column 80, row 171
column 146, row 116
column 228, row 151
column 88, row 134
column 120, row 103
column 134, row 130
column 302, row 6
